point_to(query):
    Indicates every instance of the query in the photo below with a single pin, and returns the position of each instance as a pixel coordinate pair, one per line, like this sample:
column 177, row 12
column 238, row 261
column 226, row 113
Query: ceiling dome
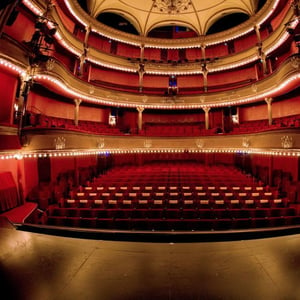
column 148, row 16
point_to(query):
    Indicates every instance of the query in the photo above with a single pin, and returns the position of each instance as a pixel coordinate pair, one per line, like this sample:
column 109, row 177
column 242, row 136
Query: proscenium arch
column 172, row 23
column 219, row 15
column 124, row 14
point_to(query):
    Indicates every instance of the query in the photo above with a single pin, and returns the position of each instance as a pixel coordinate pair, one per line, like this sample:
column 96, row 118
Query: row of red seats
column 192, row 129
column 193, row 195
column 115, row 189
column 173, row 224
column 163, row 181
column 169, row 203
column 262, row 125
column 158, row 177
column 176, row 168
column 39, row 120
column 171, row 213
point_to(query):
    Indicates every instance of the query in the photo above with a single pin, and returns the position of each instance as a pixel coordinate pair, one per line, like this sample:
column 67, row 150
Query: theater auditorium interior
column 149, row 149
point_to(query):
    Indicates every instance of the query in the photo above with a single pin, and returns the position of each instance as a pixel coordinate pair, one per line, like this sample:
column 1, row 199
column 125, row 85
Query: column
column 140, row 109
column 203, row 51
column 256, row 28
column 261, row 54
column 141, row 72
column 142, row 52
column 206, row 110
column 86, row 37
column 76, row 110
column 82, row 61
column 205, row 73
column 264, row 62
column 269, row 103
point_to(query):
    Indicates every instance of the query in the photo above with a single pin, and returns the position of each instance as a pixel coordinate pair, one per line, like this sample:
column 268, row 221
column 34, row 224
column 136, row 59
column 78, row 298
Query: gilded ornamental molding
column 42, row 140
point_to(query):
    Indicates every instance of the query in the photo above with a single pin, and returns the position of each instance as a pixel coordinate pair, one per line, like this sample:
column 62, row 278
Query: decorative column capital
column 269, row 100
column 140, row 109
column 88, row 28
column 206, row 109
column 77, row 102
column 256, row 27
column 269, row 103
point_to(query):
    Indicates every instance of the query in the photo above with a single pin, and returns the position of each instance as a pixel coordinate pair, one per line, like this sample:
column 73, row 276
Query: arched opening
column 83, row 5
column 118, row 22
column 172, row 32
column 227, row 22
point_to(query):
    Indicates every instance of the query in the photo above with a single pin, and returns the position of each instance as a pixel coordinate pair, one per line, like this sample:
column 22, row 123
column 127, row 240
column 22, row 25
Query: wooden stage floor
column 37, row 266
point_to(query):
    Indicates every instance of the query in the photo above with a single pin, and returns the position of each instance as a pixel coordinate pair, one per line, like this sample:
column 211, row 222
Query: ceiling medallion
column 172, row 6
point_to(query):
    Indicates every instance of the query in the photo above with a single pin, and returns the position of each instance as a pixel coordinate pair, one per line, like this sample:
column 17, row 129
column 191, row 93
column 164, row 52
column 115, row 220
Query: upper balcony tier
column 228, row 50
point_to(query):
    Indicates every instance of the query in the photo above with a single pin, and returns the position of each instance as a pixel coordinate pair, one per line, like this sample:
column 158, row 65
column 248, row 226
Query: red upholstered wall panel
column 51, row 107
column 156, row 81
column 215, row 118
column 151, row 53
column 114, row 77
column 128, row 120
column 65, row 58
column 68, row 23
column 264, row 33
column 94, row 114
column 128, row 50
column 9, row 142
column 255, row 112
column 24, row 173
column 8, row 88
column 30, row 175
column 61, row 165
column 282, row 108
column 9, row 197
column 17, row 29
column 231, row 77
column 191, row 81
column 166, row 118
column 173, row 54
column 245, row 42
column 45, row 105
column 193, row 53
column 10, row 166
column 287, row 107
column 99, row 42
column 216, row 51
column 287, row 164
column 276, row 22
column 261, row 165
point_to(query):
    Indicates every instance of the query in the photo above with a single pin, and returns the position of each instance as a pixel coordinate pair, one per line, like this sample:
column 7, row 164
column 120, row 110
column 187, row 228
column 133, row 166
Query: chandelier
column 172, row 6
